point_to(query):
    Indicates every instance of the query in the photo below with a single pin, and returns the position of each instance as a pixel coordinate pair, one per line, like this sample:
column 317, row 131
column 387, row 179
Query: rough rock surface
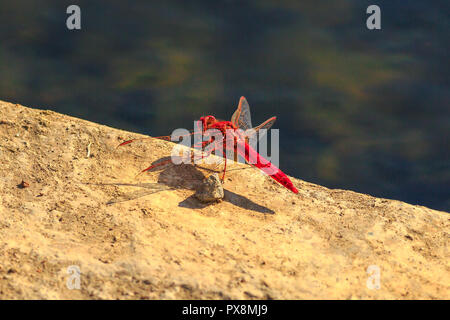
column 210, row 190
column 261, row 242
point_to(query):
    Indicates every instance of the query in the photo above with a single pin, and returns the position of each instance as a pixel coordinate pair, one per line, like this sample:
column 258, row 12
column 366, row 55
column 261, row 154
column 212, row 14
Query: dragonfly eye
column 210, row 120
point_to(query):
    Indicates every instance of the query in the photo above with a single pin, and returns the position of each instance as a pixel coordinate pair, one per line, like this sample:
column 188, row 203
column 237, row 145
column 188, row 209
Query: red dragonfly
column 234, row 140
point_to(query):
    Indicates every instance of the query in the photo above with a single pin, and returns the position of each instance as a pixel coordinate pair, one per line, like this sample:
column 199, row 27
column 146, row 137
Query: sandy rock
column 156, row 240
column 211, row 189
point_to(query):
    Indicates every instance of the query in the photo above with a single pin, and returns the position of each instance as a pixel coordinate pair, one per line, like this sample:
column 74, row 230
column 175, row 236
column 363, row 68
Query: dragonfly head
column 207, row 121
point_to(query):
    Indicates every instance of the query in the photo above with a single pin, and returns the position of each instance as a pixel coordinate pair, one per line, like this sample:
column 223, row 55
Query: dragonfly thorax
column 210, row 122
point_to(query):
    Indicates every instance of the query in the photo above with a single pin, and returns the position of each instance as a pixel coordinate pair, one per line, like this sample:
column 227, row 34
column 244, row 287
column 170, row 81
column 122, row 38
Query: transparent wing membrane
column 265, row 126
column 146, row 189
column 241, row 117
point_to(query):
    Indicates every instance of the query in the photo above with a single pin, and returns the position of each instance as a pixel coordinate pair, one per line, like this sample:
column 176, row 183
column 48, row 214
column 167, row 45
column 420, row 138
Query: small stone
column 23, row 185
column 211, row 190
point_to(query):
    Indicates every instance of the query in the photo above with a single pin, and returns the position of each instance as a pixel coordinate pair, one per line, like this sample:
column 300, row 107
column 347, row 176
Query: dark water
column 357, row 109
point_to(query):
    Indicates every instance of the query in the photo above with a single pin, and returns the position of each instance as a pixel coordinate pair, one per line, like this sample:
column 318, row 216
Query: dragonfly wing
column 241, row 117
column 266, row 125
column 148, row 188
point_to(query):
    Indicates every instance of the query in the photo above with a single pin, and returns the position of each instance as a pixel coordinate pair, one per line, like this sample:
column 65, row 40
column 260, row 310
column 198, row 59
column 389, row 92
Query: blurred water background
column 357, row 109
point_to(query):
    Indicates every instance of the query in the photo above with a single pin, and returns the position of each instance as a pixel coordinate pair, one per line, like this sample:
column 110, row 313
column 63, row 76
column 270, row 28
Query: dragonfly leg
column 132, row 140
column 156, row 165
column 224, row 170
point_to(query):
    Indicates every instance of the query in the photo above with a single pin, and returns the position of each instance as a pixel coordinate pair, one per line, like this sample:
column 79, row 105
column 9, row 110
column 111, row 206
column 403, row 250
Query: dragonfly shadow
column 188, row 176
column 243, row 202
column 240, row 201
column 183, row 176
column 145, row 189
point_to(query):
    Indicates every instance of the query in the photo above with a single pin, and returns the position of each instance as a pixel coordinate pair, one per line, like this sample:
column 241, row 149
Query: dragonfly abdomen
column 267, row 167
